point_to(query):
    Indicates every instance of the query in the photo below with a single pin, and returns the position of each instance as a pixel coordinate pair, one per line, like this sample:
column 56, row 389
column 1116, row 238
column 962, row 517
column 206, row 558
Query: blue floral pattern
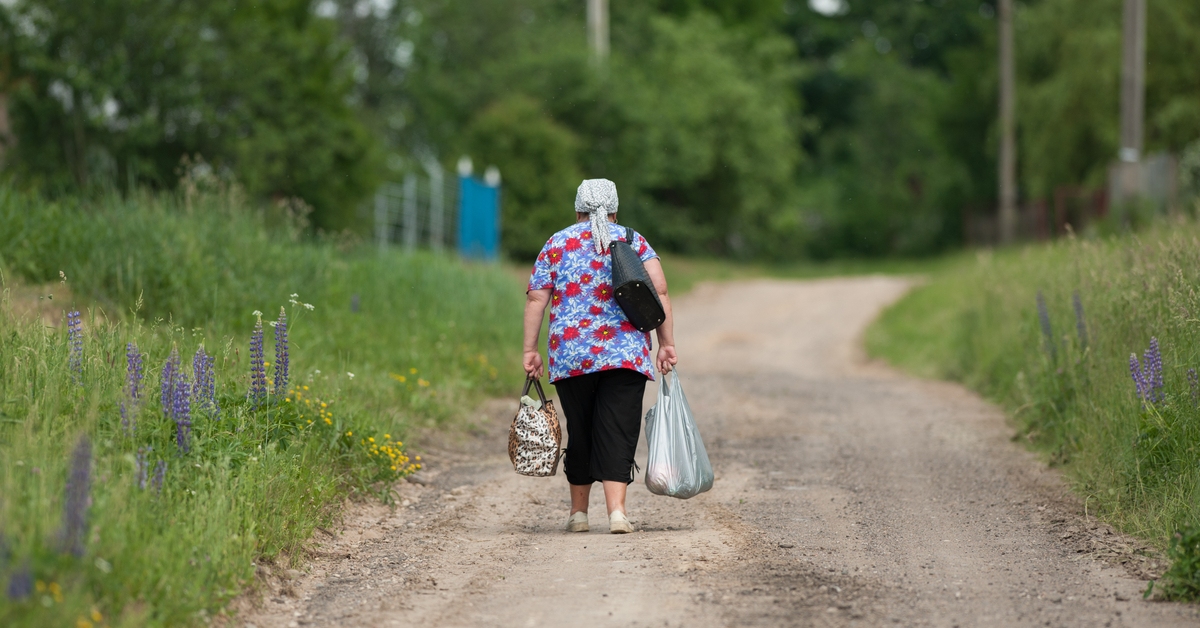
column 588, row 330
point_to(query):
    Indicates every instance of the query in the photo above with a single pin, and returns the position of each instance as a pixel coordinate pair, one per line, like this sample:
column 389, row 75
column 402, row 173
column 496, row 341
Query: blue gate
column 478, row 219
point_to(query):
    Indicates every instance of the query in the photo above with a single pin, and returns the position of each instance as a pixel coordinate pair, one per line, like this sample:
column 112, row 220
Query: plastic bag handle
column 537, row 383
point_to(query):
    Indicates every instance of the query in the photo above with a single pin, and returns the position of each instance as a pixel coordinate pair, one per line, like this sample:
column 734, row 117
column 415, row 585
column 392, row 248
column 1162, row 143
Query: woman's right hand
column 533, row 364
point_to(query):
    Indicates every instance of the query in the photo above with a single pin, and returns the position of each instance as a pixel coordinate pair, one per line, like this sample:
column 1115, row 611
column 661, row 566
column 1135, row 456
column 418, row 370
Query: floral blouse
column 588, row 330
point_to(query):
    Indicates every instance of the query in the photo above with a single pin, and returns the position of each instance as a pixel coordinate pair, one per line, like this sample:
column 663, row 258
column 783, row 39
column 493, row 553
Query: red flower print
column 585, row 323
column 638, row 361
column 541, row 256
column 607, row 367
column 554, row 340
column 587, row 364
column 597, row 264
column 575, row 372
column 573, row 244
column 626, row 364
column 586, row 235
column 554, row 255
column 642, row 251
column 605, row 333
column 645, row 351
column 585, row 279
column 553, row 316
column 627, row 326
column 553, row 275
column 573, row 289
column 596, row 310
column 603, row 292
column 570, row 333
column 597, row 349
column 555, row 299
column 551, row 360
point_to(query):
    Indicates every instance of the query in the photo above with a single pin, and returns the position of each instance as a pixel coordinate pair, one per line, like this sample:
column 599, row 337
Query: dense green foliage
column 752, row 128
column 1067, row 379
column 114, row 93
column 382, row 351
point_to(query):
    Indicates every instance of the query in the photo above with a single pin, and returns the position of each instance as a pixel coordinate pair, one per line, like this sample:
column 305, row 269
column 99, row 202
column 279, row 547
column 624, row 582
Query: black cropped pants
column 604, row 420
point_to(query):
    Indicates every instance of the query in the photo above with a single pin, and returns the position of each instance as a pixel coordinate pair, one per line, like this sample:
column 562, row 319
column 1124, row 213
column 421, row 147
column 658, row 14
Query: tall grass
column 391, row 341
column 1065, row 373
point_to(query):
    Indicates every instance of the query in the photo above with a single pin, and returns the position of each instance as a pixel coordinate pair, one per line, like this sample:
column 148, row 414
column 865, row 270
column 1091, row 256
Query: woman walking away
column 599, row 362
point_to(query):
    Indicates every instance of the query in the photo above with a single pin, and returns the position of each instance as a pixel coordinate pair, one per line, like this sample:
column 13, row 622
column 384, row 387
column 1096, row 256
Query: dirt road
column 846, row 494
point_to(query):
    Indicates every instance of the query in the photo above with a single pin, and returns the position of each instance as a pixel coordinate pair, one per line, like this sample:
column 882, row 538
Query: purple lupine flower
column 20, row 586
column 1080, row 324
column 1044, row 320
column 75, row 343
column 181, row 412
column 281, row 353
column 258, row 369
column 1194, row 384
column 169, row 372
column 133, row 388
column 143, row 466
column 1139, row 379
column 1155, row 368
column 160, row 473
column 78, row 497
column 204, row 389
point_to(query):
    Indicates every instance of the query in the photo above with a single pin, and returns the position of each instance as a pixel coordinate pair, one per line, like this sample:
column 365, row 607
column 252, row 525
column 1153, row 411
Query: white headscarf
column 598, row 199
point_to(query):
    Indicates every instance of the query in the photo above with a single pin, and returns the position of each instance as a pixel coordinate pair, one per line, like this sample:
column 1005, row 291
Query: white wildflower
column 351, row 375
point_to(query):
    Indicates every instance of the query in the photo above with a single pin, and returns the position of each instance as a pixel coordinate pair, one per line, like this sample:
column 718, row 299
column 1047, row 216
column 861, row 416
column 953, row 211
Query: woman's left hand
column 666, row 358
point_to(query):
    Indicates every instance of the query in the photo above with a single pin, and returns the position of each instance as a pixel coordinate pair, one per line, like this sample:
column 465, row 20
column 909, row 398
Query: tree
column 115, row 92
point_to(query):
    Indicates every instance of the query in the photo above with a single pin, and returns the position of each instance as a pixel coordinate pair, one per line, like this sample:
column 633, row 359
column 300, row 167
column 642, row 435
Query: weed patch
column 169, row 437
column 1092, row 346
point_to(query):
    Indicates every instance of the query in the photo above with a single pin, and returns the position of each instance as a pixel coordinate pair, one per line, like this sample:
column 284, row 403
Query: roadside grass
column 684, row 273
column 1065, row 373
column 392, row 342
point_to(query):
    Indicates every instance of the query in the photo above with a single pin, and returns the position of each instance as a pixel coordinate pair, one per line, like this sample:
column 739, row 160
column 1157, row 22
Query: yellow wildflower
column 371, row 438
column 349, row 433
column 412, row 371
column 96, row 616
column 306, row 388
column 422, row 383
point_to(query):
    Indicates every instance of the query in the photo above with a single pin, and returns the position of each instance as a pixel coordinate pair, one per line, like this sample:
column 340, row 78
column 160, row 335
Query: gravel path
column 846, row 494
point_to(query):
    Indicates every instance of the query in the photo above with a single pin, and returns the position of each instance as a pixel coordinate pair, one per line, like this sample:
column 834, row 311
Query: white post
column 410, row 212
column 381, row 221
column 437, row 203
column 1133, row 96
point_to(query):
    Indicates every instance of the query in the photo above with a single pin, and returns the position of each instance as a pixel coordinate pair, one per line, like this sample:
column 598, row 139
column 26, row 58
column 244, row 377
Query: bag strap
column 536, row 383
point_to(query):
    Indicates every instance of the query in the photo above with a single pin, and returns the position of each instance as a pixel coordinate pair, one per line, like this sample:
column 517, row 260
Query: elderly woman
column 599, row 362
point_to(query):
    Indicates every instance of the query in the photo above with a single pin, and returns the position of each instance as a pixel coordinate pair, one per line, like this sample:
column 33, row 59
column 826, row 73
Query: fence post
column 381, row 221
column 410, row 212
column 437, row 204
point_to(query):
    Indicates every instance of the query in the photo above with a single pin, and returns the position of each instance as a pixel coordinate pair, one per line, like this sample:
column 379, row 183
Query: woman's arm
column 535, row 309
column 666, row 331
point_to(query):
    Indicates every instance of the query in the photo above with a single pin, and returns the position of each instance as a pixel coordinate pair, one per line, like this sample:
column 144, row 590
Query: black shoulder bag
column 632, row 287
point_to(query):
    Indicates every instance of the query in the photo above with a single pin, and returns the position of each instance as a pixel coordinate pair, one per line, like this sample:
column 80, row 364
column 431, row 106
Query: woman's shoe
column 578, row 522
column 618, row 524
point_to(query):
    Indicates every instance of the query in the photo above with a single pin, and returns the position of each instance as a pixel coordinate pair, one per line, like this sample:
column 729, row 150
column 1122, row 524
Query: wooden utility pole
column 597, row 15
column 1133, row 95
column 1008, row 143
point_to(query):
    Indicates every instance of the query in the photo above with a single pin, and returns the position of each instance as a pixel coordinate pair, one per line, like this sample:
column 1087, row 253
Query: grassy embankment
column 420, row 334
column 1064, row 374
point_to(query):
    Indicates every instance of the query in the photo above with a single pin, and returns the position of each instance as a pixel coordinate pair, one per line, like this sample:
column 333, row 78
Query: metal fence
column 421, row 211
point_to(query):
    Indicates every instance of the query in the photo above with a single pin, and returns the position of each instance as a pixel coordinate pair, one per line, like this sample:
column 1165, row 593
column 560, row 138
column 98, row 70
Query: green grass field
column 392, row 342
column 1065, row 374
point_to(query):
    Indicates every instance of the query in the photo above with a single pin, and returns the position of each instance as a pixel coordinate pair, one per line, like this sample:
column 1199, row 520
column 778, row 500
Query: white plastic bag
column 678, row 464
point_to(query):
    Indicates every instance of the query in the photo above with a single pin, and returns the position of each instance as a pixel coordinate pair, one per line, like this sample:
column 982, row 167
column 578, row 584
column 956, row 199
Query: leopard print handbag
column 535, row 437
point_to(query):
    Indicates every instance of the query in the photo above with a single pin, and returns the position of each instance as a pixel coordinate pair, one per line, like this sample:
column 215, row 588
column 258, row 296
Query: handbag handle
column 537, row 383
